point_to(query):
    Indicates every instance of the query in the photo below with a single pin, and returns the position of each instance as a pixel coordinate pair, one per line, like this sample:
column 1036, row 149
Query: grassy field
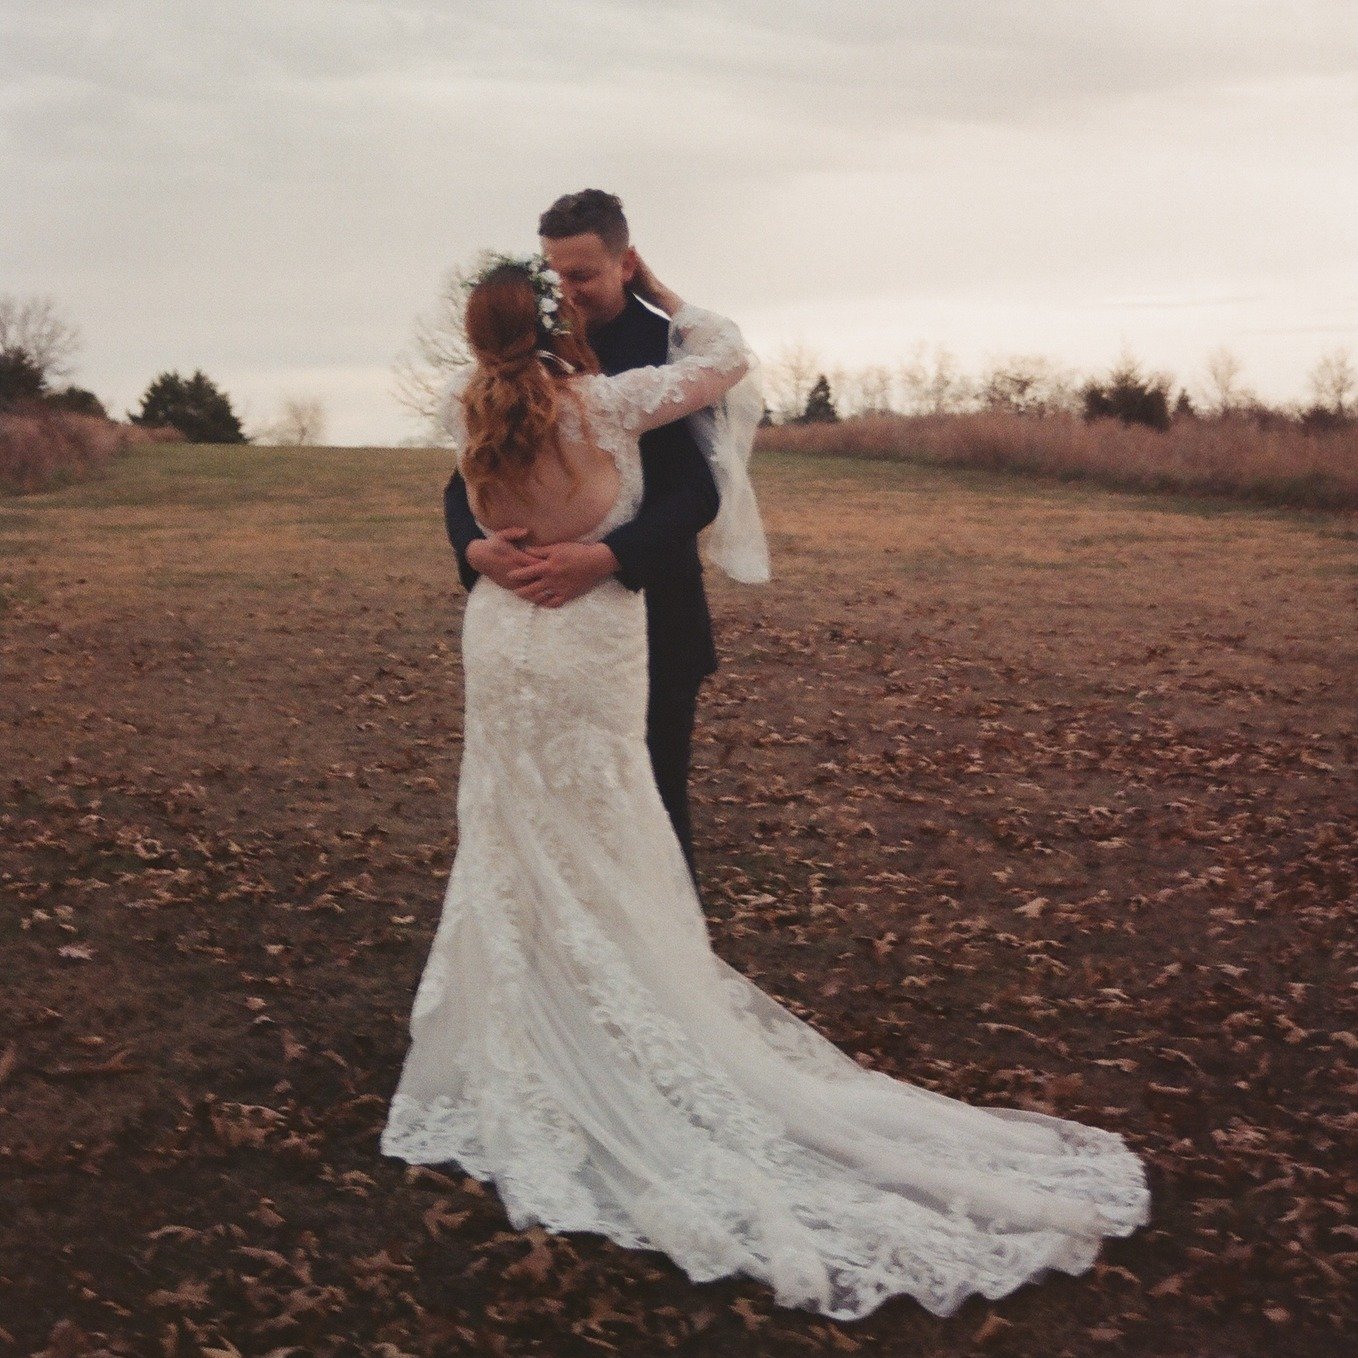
column 1031, row 793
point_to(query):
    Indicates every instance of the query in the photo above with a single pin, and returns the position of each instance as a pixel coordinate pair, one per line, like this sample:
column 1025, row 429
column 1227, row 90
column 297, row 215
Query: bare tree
column 933, row 383
column 846, row 384
column 1224, row 390
column 875, row 390
column 1333, row 382
column 437, row 348
column 300, row 424
column 789, row 377
column 34, row 325
column 861, row 391
column 1027, row 384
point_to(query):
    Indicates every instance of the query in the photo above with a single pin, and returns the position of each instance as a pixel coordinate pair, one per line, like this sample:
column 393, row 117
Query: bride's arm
column 715, row 359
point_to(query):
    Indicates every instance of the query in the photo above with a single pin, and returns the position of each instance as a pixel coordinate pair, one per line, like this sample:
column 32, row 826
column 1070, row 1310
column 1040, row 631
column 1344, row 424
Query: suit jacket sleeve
column 461, row 525
column 678, row 500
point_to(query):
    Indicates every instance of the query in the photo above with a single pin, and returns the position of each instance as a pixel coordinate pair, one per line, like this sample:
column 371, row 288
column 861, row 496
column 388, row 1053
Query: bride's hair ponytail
column 513, row 398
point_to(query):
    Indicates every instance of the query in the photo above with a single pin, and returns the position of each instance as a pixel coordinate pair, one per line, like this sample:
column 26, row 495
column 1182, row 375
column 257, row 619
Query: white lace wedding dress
column 576, row 1040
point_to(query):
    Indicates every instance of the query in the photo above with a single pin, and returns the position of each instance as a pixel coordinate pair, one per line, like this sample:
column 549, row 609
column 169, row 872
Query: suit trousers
column 670, row 715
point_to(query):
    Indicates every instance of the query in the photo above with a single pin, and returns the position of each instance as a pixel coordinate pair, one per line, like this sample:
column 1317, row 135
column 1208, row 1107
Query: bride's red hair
column 513, row 398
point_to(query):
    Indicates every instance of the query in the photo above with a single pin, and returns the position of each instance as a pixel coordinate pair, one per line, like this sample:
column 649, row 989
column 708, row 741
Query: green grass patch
column 217, row 476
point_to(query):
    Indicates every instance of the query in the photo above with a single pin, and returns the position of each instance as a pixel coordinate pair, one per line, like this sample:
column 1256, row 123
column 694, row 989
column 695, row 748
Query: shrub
column 1283, row 465
column 1325, row 419
column 78, row 401
column 195, row 406
column 1128, row 395
column 21, row 378
column 42, row 447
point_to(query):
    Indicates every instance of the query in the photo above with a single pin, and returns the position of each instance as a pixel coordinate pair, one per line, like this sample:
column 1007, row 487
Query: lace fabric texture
column 735, row 542
column 711, row 380
column 576, row 1040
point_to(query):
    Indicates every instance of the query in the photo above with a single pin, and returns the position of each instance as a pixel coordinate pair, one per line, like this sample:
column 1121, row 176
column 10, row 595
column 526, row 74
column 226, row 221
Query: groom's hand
column 564, row 571
column 497, row 554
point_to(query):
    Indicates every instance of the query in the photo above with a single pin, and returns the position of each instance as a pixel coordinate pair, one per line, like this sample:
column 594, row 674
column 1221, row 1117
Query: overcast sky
column 272, row 191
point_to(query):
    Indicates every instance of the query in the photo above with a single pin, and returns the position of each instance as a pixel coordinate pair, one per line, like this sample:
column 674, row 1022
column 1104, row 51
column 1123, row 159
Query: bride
column 575, row 1038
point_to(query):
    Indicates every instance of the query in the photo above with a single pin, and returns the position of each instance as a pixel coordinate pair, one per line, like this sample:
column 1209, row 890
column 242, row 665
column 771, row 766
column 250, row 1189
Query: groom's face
column 594, row 277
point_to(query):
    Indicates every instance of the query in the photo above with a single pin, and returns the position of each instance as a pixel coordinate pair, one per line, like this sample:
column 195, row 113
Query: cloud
column 259, row 187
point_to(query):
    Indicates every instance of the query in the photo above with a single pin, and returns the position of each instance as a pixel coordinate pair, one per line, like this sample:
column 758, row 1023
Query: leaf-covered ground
column 1030, row 794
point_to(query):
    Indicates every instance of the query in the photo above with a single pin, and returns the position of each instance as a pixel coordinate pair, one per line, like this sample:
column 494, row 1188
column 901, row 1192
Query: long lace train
column 576, row 1040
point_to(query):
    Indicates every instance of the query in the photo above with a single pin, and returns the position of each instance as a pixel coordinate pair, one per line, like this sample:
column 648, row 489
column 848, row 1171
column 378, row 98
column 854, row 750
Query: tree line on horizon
column 37, row 347
column 803, row 389
column 37, row 350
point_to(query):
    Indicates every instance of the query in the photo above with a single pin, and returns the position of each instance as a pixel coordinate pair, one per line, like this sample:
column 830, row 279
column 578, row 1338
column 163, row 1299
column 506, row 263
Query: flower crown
column 545, row 280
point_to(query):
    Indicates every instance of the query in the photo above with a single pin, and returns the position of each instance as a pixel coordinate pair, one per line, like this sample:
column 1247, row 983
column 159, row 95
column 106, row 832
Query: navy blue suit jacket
column 657, row 550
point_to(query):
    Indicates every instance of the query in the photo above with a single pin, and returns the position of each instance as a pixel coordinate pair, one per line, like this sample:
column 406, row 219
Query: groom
column 585, row 239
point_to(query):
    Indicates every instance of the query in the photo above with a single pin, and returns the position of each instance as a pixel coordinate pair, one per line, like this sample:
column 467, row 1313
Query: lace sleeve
column 713, row 361
column 449, row 416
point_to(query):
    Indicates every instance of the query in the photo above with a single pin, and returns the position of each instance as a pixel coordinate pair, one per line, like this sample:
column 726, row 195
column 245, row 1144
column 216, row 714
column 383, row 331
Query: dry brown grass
column 1034, row 794
column 42, row 448
column 1275, row 464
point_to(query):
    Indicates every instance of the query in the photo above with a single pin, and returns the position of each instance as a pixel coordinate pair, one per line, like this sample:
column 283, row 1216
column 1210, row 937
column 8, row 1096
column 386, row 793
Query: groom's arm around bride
column 656, row 550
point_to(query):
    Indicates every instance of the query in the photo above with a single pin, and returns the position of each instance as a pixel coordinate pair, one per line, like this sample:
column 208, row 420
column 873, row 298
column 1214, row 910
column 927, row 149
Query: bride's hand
column 563, row 571
column 650, row 289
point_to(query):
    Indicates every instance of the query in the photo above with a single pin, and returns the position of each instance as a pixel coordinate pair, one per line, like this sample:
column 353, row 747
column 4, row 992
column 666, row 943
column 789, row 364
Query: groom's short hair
column 589, row 210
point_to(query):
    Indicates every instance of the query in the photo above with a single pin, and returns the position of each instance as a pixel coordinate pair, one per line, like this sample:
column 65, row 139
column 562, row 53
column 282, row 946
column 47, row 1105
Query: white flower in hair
column 545, row 280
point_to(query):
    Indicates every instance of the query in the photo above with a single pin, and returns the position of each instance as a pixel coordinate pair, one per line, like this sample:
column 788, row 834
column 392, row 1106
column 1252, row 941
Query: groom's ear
column 629, row 262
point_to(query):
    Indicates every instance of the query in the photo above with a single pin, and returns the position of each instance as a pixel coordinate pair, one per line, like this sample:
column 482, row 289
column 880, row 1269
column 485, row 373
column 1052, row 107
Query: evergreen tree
column 195, row 406
column 1128, row 395
column 820, row 404
column 21, row 378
